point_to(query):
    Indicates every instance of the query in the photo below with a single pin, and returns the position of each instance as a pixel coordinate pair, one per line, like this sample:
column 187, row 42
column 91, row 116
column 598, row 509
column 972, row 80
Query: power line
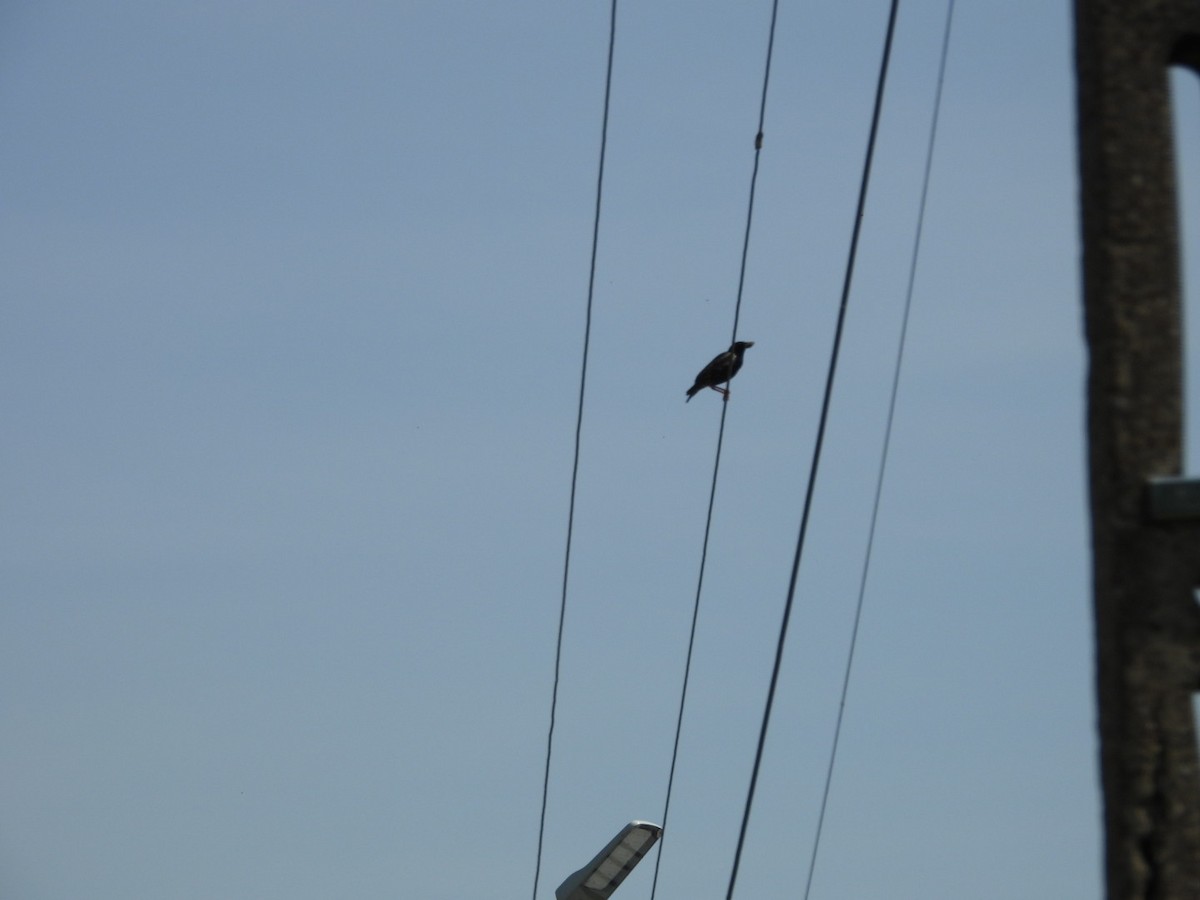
column 587, row 332
column 712, row 493
column 820, row 440
column 887, row 440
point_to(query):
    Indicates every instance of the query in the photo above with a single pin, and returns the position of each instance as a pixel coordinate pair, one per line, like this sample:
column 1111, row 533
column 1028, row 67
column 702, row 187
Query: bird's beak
column 749, row 343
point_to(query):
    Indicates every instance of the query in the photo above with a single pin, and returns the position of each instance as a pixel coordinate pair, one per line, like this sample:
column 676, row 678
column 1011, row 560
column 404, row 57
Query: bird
column 718, row 372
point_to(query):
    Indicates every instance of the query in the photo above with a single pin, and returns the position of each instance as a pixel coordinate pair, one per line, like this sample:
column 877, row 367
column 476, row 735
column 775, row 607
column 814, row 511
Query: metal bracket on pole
column 1173, row 499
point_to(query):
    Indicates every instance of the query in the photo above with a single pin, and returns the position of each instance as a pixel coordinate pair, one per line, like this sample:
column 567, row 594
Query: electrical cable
column 887, row 440
column 712, row 493
column 820, row 440
column 587, row 331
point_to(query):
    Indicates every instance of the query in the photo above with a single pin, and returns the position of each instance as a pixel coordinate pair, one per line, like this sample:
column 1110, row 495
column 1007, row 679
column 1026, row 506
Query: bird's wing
column 717, row 370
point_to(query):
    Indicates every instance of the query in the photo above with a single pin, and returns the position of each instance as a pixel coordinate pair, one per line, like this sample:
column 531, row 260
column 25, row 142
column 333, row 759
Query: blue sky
column 294, row 299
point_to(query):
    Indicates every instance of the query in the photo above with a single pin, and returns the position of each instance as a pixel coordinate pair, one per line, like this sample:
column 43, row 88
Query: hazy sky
column 289, row 356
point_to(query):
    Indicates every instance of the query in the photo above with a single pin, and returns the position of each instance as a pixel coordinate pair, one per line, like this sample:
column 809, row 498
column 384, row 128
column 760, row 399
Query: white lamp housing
column 599, row 878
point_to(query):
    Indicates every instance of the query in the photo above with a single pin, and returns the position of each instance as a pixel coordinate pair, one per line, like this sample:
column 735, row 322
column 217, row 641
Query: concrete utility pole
column 1145, row 517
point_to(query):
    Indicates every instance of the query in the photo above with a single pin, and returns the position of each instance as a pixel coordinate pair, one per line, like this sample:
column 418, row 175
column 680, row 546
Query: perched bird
column 723, row 367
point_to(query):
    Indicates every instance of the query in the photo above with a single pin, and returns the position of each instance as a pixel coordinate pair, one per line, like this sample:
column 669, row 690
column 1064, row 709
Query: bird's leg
column 720, row 390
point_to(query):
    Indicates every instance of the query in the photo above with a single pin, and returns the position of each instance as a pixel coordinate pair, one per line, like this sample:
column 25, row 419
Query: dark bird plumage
column 723, row 367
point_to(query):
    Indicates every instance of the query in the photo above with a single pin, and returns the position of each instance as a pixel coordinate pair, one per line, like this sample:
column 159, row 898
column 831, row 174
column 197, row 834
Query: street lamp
column 604, row 874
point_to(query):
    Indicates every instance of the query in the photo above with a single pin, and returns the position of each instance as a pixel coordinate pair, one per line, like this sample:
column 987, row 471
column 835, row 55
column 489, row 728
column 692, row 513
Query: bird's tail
column 691, row 392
